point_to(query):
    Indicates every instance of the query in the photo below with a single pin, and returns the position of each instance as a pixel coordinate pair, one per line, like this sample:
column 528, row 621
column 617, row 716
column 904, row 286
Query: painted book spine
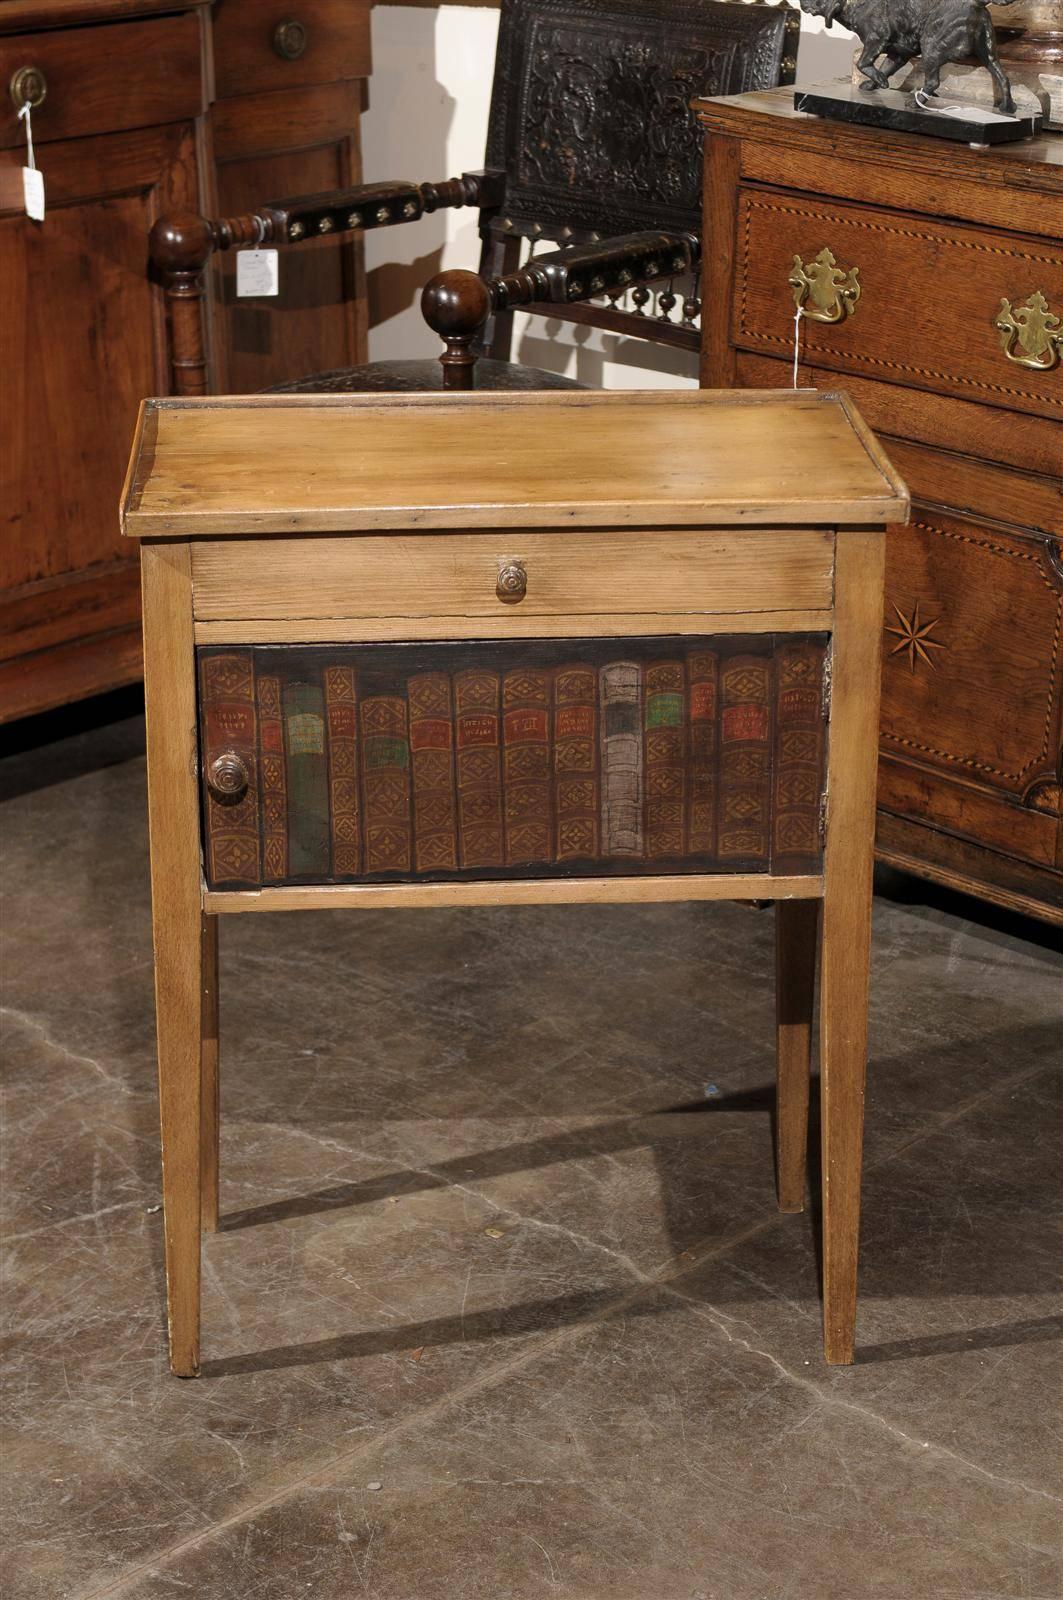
column 479, row 769
column 703, row 674
column 620, row 685
column 435, row 819
column 800, row 739
column 273, row 777
column 227, row 689
column 386, row 784
column 745, row 746
column 577, row 788
column 341, row 715
column 664, row 755
column 529, row 833
column 308, row 811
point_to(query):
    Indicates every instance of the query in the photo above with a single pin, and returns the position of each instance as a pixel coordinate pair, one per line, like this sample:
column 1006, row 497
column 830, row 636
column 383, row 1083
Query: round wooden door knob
column 512, row 582
column 227, row 776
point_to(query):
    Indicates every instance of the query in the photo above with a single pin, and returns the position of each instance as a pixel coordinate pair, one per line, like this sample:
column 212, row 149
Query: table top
column 291, row 464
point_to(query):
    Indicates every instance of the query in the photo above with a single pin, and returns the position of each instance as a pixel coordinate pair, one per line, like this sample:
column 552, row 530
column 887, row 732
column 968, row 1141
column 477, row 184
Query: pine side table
column 501, row 649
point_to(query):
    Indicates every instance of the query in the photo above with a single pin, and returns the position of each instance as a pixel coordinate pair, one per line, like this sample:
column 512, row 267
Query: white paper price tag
column 257, row 273
column 33, row 193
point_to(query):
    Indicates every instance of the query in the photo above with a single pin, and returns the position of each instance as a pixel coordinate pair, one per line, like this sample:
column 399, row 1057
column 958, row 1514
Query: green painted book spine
column 308, row 809
column 664, row 758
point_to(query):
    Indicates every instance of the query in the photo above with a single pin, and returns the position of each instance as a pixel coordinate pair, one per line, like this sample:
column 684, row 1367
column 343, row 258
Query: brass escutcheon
column 289, row 39
column 512, row 582
column 1036, row 331
column 833, row 293
column 28, row 87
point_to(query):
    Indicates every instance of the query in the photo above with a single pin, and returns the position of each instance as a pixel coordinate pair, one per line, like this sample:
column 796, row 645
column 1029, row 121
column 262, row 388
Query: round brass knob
column 289, row 39
column 512, row 582
column 28, row 87
column 228, row 777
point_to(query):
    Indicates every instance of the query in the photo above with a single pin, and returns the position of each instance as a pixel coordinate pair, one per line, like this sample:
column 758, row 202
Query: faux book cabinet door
column 532, row 758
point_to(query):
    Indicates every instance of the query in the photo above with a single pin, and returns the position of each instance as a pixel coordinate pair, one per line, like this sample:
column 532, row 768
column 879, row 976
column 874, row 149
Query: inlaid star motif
column 913, row 636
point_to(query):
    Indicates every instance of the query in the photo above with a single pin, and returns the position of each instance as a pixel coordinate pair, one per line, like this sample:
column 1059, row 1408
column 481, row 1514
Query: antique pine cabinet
column 493, row 649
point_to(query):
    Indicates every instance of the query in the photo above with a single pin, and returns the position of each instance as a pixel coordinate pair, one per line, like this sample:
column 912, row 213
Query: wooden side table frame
column 320, row 565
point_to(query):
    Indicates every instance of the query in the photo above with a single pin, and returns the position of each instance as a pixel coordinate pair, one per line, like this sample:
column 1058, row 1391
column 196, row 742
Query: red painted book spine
column 703, row 673
column 479, row 769
column 386, row 784
column 577, row 762
column 745, row 747
column 341, row 715
column 227, row 689
column 664, row 746
column 273, row 779
column 435, row 819
column 800, row 740
column 526, row 785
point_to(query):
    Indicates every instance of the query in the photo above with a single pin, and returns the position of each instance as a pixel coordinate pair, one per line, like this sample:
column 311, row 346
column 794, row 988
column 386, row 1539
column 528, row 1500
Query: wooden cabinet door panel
column 973, row 660
column 81, row 344
column 317, row 321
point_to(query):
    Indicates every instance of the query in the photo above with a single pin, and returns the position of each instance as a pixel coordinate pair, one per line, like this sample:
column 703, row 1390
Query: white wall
column 427, row 118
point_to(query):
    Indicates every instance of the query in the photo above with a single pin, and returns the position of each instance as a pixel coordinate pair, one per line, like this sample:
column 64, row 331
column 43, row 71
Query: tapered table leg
column 209, row 1083
column 178, row 926
column 796, row 931
column 846, row 942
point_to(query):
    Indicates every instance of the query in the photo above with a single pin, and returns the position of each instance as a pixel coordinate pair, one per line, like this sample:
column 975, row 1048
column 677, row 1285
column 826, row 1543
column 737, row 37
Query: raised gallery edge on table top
column 271, row 464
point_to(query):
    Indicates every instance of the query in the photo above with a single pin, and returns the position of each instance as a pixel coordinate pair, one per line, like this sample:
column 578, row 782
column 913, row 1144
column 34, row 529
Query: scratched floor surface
column 502, row 1307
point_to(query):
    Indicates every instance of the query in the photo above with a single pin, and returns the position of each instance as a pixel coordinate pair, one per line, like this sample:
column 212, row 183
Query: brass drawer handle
column 1036, row 331
column 512, row 582
column 228, row 777
column 833, row 293
column 289, row 39
column 28, row 87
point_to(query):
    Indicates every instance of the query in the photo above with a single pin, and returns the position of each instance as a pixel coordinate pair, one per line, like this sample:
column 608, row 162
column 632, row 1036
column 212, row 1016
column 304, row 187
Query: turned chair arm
column 457, row 304
column 181, row 244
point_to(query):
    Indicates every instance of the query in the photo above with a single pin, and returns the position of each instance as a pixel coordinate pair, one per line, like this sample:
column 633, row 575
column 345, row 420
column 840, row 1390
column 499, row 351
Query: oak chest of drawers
column 502, row 649
column 930, row 278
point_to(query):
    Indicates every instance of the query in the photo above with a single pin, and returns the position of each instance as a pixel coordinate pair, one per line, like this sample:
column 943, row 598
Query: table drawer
column 529, row 758
column 930, row 297
column 567, row 574
column 104, row 80
column 258, row 48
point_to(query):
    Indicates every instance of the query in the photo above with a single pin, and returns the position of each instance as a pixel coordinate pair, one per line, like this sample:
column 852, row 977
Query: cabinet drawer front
column 257, row 47
column 930, row 297
column 972, row 678
column 532, row 758
column 568, row 574
column 106, row 79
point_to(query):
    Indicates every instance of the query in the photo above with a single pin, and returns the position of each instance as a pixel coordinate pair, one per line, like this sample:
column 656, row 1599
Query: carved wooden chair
column 591, row 148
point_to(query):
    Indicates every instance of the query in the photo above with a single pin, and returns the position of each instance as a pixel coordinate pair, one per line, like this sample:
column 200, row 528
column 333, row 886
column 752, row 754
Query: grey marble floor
column 502, row 1306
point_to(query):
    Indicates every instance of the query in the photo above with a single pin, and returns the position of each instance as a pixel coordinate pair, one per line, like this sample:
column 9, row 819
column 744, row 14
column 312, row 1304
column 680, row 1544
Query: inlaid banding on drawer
column 568, row 574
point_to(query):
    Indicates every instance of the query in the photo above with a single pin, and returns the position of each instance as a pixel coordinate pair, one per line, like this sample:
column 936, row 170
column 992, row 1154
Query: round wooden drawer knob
column 512, row 582
column 228, row 777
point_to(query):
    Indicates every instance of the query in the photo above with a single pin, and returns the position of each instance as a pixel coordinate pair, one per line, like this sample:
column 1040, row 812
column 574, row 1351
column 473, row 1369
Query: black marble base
column 893, row 108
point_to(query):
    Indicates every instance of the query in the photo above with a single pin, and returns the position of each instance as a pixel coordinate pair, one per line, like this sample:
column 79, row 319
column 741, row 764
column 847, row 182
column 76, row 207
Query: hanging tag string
column 797, row 342
column 25, row 112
